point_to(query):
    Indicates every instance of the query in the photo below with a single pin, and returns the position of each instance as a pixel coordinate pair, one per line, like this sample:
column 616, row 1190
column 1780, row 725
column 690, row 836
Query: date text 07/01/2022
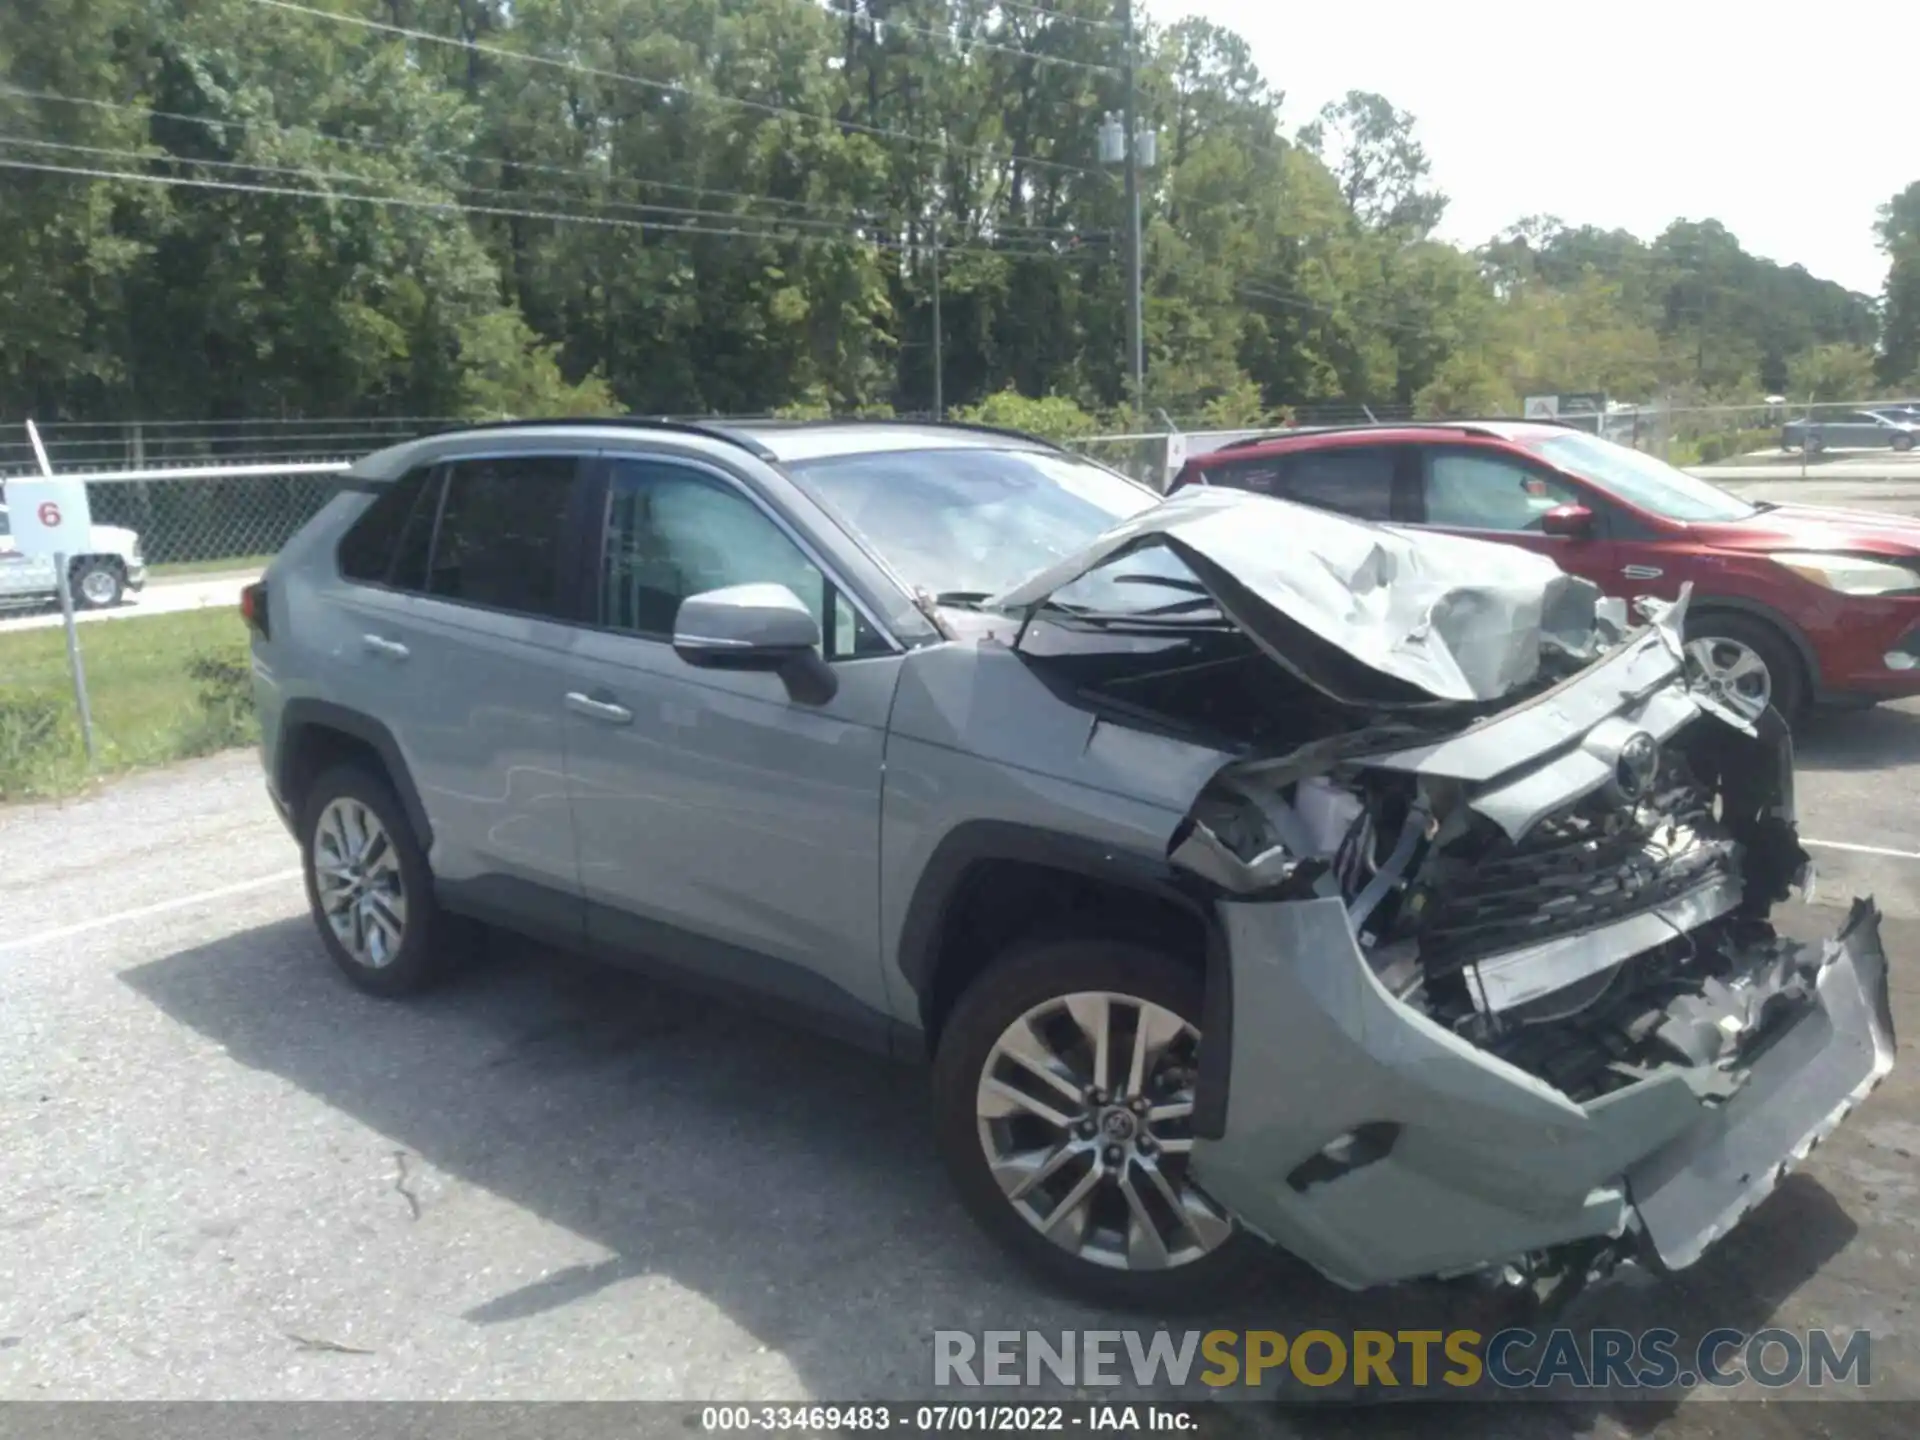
column 945, row 1417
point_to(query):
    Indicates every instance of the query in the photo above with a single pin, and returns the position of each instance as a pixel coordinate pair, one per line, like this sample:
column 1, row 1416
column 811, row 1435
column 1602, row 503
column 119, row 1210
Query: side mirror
column 1573, row 522
column 756, row 627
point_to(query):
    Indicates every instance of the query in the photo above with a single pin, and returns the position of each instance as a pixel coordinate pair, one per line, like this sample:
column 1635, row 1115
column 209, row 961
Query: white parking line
column 185, row 902
column 1862, row 849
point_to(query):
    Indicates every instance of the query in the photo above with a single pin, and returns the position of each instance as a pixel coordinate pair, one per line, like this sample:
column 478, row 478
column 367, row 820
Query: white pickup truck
column 100, row 578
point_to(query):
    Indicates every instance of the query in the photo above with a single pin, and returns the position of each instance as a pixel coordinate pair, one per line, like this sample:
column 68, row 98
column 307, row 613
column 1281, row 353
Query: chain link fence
column 206, row 505
column 224, row 496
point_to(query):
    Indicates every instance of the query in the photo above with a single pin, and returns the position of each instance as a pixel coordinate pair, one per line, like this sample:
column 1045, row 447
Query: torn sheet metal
column 1458, row 619
column 1693, row 1191
column 1206, row 855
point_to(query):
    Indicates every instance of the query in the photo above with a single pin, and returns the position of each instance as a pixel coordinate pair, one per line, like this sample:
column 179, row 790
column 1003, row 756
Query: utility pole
column 939, row 346
column 1136, row 320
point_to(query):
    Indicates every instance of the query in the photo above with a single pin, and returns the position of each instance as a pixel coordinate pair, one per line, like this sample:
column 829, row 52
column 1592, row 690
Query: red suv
column 1792, row 605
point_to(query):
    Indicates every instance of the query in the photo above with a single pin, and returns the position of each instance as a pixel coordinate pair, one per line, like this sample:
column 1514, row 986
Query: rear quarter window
column 392, row 534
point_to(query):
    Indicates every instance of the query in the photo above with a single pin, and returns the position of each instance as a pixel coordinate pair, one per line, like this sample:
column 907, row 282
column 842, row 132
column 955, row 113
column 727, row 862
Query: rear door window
column 503, row 525
column 1354, row 480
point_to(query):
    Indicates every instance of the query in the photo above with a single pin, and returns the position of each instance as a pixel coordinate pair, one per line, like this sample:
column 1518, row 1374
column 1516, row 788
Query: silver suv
column 1246, row 874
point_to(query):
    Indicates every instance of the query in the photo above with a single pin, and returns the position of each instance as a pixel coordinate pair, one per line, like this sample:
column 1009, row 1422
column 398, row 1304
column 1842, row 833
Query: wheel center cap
column 1117, row 1125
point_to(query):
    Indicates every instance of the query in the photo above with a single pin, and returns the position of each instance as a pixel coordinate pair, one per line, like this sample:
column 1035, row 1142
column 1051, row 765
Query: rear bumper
column 1471, row 1163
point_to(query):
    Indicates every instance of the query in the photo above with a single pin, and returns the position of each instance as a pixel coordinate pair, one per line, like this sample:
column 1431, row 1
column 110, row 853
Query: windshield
column 1642, row 480
column 970, row 523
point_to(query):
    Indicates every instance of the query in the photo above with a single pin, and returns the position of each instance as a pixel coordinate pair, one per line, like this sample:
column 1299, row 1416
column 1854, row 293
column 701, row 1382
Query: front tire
column 1903, row 443
column 1752, row 663
column 369, row 886
column 95, row 583
column 1063, row 1096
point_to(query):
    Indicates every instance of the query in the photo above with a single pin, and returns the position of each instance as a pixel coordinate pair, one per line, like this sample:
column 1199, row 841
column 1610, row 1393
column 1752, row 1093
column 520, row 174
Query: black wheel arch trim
column 1767, row 615
column 303, row 714
column 979, row 841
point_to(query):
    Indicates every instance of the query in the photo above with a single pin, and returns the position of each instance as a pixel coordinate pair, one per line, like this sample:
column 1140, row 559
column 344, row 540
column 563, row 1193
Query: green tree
column 1381, row 166
column 1831, row 372
column 1899, row 235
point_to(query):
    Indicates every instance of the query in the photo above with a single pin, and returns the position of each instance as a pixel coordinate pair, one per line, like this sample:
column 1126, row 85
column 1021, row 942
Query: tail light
column 253, row 609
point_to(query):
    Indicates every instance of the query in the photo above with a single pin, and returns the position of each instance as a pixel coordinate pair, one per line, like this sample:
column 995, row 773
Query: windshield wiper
column 962, row 599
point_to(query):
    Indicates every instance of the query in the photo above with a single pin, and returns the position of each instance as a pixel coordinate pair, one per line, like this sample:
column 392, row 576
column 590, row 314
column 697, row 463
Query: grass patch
column 161, row 689
column 233, row 564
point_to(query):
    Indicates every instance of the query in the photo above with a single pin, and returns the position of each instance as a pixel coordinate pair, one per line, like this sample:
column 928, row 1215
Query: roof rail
column 1471, row 424
column 628, row 422
column 973, row 425
column 1356, row 427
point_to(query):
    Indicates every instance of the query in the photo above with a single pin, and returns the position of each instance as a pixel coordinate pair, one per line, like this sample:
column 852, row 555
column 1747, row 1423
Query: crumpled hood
column 1457, row 619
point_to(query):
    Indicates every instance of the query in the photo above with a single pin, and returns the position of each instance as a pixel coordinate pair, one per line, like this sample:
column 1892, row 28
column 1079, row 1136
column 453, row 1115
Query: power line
column 883, row 23
column 666, row 87
column 393, row 147
column 1060, row 15
column 1259, row 290
column 328, row 177
column 602, row 176
column 561, row 217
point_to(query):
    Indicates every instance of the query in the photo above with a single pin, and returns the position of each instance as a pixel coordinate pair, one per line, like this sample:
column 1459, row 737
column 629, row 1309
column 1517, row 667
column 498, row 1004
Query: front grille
column 1587, row 866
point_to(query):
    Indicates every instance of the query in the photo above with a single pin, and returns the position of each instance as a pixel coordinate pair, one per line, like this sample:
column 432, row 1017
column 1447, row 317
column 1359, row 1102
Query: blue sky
column 1788, row 125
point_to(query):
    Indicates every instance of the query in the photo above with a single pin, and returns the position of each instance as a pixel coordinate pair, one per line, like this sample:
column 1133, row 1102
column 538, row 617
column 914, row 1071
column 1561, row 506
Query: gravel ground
column 224, row 1174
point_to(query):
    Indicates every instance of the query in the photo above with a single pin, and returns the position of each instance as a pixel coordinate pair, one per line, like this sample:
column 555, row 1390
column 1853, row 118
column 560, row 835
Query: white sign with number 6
column 49, row 517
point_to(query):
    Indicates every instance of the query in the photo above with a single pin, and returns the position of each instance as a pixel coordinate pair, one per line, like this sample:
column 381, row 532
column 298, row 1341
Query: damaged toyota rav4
column 1249, row 874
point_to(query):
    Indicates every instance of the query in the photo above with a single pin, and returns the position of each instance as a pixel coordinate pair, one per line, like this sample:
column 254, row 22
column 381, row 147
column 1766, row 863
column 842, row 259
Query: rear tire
column 369, row 886
column 1197, row 1254
column 1786, row 676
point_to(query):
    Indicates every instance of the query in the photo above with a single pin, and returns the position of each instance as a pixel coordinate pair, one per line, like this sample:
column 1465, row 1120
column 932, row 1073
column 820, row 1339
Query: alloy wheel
column 1733, row 674
column 1085, row 1112
column 99, row 587
column 357, row 876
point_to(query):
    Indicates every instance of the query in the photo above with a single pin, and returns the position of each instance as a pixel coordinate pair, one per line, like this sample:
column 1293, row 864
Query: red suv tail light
column 253, row 608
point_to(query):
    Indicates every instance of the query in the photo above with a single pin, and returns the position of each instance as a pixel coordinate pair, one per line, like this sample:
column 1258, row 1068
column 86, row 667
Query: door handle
column 380, row 645
column 1642, row 572
column 605, row 711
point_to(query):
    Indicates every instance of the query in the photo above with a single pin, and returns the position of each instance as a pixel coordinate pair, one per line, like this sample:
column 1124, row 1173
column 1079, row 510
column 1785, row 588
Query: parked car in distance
column 95, row 580
column 1793, row 605
column 1209, row 851
column 1852, row 430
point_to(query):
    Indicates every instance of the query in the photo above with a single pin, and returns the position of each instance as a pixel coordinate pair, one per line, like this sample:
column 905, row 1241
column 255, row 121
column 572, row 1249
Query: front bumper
column 136, row 575
column 1378, row 1146
column 1871, row 653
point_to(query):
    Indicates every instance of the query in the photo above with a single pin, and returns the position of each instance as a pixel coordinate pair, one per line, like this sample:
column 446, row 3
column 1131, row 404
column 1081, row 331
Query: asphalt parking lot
column 225, row 1174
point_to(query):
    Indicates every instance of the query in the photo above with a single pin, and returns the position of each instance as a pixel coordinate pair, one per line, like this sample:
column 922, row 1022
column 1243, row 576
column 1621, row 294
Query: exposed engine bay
column 1616, row 935
column 1494, row 874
